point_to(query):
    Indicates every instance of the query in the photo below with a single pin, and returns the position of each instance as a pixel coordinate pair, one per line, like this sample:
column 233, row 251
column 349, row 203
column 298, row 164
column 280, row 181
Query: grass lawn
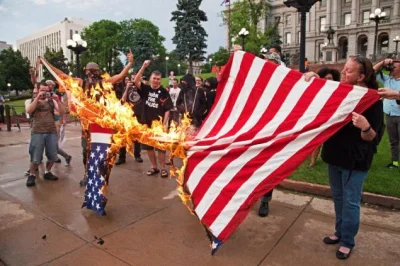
column 19, row 105
column 164, row 81
column 380, row 180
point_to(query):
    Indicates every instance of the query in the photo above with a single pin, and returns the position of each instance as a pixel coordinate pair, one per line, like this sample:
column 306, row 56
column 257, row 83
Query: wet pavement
column 146, row 224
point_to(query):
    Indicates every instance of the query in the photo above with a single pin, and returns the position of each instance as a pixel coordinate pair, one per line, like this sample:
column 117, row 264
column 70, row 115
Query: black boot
column 120, row 161
column 264, row 209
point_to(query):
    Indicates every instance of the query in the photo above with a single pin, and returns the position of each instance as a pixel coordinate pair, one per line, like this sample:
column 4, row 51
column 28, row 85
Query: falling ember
column 101, row 106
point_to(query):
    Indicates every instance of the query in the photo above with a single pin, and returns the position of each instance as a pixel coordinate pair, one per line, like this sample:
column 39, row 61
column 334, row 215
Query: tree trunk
column 16, row 92
column 190, row 66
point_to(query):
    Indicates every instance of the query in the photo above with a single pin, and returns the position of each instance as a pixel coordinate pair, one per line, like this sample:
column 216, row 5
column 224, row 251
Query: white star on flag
column 98, row 148
column 96, row 184
column 92, row 155
column 91, row 168
column 98, row 206
column 214, row 245
column 102, row 179
column 100, row 192
column 89, row 195
column 101, row 156
column 96, row 162
column 95, row 197
column 90, row 182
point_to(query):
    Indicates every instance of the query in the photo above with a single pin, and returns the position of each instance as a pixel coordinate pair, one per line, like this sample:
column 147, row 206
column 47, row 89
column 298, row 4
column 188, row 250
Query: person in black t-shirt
column 157, row 103
column 129, row 94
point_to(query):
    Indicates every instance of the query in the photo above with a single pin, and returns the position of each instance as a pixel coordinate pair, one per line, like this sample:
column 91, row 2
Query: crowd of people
column 348, row 153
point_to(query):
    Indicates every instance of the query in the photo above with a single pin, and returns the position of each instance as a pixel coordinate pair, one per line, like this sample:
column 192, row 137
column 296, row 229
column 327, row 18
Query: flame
column 101, row 106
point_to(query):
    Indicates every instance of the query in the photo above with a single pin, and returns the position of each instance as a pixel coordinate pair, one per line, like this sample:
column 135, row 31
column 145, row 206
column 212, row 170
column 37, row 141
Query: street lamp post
column 302, row 6
column 78, row 46
column 166, row 66
column 9, row 86
column 376, row 17
column 243, row 34
column 179, row 69
column 397, row 40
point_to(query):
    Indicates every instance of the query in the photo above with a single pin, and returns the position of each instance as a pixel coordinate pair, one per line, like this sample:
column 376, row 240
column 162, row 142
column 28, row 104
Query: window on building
column 387, row 10
column 76, row 32
column 347, row 18
column 288, row 38
column 323, row 3
column 320, row 51
column 347, row 1
column 288, row 20
column 365, row 16
column 322, row 23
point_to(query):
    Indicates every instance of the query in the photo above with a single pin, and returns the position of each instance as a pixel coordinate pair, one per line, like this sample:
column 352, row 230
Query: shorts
column 43, row 142
column 149, row 148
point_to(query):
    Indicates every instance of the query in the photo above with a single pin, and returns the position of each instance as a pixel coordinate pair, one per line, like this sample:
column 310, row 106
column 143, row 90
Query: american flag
column 97, row 168
column 265, row 122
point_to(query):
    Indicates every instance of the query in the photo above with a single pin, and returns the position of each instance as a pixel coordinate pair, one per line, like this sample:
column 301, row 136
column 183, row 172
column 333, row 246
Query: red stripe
column 95, row 128
column 256, row 92
column 213, row 172
column 250, row 167
column 240, row 79
column 289, row 166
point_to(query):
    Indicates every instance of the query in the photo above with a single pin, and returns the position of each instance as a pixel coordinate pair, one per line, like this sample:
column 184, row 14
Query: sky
column 20, row 18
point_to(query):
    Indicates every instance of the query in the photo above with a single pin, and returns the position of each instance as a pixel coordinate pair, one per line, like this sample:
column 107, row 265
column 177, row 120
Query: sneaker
column 68, row 160
column 58, row 160
column 139, row 159
column 31, row 181
column 392, row 166
column 264, row 209
column 50, row 176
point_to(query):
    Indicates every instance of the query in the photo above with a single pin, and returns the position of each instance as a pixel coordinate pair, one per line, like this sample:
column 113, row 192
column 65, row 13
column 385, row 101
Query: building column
column 328, row 13
column 335, row 13
column 374, row 5
column 354, row 5
column 352, row 45
column 396, row 8
column 312, row 19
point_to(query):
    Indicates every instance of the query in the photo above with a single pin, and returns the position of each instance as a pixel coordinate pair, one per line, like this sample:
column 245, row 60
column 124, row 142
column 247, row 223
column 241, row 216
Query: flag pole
column 229, row 25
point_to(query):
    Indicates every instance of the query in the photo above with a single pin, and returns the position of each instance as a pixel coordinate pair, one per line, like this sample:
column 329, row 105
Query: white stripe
column 231, row 170
column 100, row 138
column 346, row 107
column 243, row 96
column 269, row 92
column 215, row 115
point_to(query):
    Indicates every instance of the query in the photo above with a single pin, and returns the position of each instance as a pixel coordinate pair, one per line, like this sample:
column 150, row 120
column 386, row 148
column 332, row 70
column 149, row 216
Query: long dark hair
column 323, row 72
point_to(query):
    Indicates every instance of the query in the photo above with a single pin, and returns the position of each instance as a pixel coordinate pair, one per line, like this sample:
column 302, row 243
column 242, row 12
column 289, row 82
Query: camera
column 47, row 94
column 388, row 67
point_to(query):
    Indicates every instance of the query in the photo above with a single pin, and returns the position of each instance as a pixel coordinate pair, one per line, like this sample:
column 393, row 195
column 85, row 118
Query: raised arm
column 114, row 79
column 139, row 75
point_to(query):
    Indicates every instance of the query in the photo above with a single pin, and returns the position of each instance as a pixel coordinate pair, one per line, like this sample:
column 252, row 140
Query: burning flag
column 98, row 168
column 265, row 122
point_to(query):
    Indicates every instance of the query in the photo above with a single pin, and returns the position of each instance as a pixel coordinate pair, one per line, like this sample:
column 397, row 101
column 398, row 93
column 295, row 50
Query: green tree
column 14, row 69
column 190, row 36
column 102, row 38
column 220, row 57
column 57, row 59
column 248, row 14
column 143, row 38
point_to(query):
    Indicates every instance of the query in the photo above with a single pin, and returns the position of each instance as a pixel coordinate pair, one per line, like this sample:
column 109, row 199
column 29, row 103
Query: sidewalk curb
column 324, row 191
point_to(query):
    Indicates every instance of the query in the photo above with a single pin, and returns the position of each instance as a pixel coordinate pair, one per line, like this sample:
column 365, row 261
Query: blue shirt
column 390, row 107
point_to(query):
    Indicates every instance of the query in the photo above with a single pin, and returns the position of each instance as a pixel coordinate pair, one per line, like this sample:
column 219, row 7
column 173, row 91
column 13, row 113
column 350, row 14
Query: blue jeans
column 346, row 188
column 41, row 142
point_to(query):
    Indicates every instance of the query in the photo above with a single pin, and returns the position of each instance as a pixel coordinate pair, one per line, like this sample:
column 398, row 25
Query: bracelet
column 366, row 131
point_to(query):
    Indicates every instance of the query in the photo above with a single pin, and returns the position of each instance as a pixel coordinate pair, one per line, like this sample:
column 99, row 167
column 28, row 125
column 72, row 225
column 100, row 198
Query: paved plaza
column 146, row 224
